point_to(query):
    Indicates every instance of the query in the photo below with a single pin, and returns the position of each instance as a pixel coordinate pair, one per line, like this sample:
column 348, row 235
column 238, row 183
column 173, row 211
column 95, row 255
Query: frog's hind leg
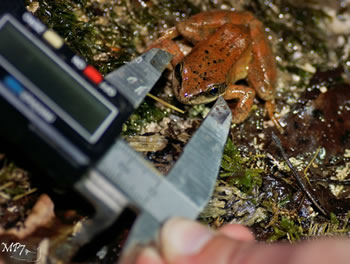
column 245, row 96
column 200, row 26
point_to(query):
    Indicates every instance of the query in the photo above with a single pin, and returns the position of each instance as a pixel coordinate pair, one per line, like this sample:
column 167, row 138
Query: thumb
column 187, row 242
column 181, row 238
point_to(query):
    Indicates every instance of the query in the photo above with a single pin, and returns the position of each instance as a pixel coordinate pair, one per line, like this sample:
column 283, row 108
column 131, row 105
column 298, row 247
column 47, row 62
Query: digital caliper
column 67, row 117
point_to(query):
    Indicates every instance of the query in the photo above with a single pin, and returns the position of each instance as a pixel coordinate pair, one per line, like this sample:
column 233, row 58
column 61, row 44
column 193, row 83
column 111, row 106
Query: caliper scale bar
column 123, row 177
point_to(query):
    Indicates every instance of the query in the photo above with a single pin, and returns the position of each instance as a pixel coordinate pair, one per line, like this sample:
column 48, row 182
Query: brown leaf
column 41, row 215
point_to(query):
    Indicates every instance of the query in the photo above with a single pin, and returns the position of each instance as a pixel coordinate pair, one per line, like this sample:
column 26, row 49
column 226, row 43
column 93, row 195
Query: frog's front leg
column 166, row 43
column 245, row 96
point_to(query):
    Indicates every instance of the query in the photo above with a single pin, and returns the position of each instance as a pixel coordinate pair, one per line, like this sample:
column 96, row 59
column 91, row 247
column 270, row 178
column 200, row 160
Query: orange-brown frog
column 228, row 46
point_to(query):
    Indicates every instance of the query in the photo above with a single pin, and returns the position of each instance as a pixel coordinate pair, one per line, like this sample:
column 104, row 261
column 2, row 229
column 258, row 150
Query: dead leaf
column 41, row 215
column 148, row 143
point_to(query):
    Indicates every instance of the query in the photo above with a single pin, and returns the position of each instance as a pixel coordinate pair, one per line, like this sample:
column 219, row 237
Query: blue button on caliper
column 13, row 85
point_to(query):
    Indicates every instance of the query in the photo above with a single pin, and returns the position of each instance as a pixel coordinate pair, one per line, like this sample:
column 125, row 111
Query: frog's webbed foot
column 245, row 96
column 166, row 43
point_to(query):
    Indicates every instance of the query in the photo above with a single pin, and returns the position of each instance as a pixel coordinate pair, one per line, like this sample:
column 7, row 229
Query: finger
column 140, row 255
column 323, row 251
column 187, row 242
column 149, row 255
column 180, row 236
column 223, row 250
column 237, row 232
column 312, row 252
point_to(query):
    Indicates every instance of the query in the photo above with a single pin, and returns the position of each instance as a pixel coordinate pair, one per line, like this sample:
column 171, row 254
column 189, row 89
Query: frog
column 228, row 47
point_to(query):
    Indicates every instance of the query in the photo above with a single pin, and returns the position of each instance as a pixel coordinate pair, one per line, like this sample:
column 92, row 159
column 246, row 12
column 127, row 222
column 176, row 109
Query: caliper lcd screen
column 79, row 107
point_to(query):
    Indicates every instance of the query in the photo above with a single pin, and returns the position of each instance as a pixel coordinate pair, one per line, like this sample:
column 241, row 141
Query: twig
column 297, row 176
column 6, row 185
column 165, row 103
column 329, row 181
column 20, row 196
column 310, row 163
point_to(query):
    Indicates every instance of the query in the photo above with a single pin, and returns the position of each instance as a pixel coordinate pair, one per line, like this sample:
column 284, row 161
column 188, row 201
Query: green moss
column 284, row 201
column 232, row 161
column 334, row 220
column 13, row 180
column 5, row 173
column 235, row 169
column 286, row 228
column 107, row 33
column 145, row 114
column 85, row 37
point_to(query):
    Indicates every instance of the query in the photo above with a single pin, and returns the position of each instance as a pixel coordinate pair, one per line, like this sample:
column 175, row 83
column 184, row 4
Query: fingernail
column 182, row 237
column 149, row 256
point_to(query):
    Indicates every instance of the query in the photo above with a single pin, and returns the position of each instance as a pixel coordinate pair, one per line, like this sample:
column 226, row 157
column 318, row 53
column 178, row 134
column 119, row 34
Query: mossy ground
column 255, row 186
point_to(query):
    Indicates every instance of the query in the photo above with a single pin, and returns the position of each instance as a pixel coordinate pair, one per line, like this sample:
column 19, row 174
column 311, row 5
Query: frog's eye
column 214, row 91
column 178, row 69
column 178, row 72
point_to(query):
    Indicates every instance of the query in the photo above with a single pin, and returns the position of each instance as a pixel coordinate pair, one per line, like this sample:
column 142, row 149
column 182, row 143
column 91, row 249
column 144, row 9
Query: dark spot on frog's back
column 203, row 75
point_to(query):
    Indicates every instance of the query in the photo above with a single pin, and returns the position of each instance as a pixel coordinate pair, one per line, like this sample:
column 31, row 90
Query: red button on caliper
column 93, row 74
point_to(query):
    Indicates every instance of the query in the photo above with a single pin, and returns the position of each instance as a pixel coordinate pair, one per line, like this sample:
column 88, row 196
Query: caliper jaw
column 136, row 78
column 193, row 176
column 123, row 177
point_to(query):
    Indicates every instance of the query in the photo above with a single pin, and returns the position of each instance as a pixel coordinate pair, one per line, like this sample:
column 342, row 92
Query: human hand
column 188, row 242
